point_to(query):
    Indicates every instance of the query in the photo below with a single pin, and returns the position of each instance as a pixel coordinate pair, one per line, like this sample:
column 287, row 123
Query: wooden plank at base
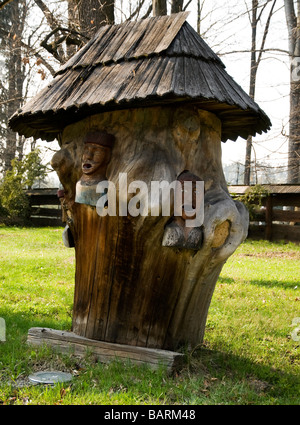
column 105, row 352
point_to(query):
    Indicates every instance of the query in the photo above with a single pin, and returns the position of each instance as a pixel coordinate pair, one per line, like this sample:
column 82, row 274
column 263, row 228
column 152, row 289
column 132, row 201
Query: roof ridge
column 132, row 59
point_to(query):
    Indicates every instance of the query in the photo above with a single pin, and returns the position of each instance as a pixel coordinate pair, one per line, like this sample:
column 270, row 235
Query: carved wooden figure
column 144, row 102
column 177, row 233
column 131, row 286
column 95, row 158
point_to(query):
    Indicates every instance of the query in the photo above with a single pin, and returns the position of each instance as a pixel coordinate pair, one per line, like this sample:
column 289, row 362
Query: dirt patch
column 259, row 386
column 70, row 260
column 274, row 254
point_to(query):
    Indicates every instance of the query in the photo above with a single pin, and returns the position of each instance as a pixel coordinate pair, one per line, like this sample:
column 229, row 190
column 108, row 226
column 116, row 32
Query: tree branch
column 52, row 21
column 137, row 10
column 33, row 51
column 54, row 46
column 4, row 3
column 187, row 5
column 262, row 9
column 148, row 12
column 258, row 50
column 267, row 26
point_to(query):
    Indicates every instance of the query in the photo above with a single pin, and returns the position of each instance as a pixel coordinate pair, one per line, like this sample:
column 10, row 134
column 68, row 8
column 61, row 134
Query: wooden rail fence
column 279, row 216
column 45, row 207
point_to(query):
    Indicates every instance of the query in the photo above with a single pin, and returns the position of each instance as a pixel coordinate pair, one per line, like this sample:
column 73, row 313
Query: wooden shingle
column 151, row 62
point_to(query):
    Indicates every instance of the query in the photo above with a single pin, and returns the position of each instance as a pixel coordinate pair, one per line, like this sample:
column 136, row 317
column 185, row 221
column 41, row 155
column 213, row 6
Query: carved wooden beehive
column 167, row 101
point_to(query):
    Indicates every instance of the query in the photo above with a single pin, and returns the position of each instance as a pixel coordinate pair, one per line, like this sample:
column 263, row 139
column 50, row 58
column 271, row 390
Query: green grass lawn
column 248, row 356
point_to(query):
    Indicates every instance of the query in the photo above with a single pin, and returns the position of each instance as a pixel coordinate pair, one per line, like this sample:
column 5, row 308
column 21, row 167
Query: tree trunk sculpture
column 132, row 285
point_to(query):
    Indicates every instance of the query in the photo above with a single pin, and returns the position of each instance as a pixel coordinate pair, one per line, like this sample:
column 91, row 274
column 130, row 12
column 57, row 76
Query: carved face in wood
column 177, row 234
column 95, row 159
column 66, row 162
column 185, row 177
column 96, row 156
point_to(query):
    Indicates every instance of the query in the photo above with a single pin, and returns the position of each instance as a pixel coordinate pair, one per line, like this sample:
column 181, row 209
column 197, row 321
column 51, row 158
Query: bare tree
column 176, row 6
column 11, row 33
column 159, row 7
column 292, row 11
column 94, row 13
column 4, row 3
column 255, row 15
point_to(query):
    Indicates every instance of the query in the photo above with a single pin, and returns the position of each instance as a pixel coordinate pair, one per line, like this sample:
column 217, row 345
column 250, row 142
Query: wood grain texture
column 68, row 342
column 155, row 61
column 130, row 289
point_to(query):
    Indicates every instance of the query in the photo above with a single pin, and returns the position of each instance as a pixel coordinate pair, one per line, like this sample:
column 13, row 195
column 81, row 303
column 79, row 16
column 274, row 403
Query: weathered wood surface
column 275, row 223
column 129, row 288
column 280, row 232
column 46, row 212
column 45, row 207
column 286, row 199
column 269, row 209
column 274, row 189
column 43, row 197
column 286, row 215
column 136, row 64
column 46, row 222
column 68, row 342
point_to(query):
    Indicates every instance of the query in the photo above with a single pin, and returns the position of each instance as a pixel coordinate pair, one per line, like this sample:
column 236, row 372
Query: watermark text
column 185, row 199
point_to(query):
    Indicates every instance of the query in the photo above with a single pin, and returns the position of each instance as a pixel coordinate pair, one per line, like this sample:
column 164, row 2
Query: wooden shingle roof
column 155, row 61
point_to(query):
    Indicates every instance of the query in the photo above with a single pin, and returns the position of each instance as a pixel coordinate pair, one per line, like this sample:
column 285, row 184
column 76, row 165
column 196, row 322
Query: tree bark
column 15, row 78
column 159, row 7
column 130, row 288
column 294, row 130
column 177, row 6
column 253, row 71
column 293, row 26
column 254, row 64
column 4, row 3
column 92, row 14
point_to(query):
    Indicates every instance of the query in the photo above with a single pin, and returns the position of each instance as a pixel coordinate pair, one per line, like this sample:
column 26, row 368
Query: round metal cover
column 50, row 377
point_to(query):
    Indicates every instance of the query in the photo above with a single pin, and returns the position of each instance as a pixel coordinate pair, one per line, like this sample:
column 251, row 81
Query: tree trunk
column 92, row 14
column 253, row 72
column 199, row 13
column 254, row 64
column 177, row 6
column 159, row 7
column 293, row 26
column 15, row 78
column 294, row 131
column 247, row 172
column 130, row 286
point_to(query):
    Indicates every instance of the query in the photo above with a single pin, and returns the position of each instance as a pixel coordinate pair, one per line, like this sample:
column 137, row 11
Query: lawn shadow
column 238, row 372
column 273, row 283
column 224, row 374
column 227, row 280
column 18, row 324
